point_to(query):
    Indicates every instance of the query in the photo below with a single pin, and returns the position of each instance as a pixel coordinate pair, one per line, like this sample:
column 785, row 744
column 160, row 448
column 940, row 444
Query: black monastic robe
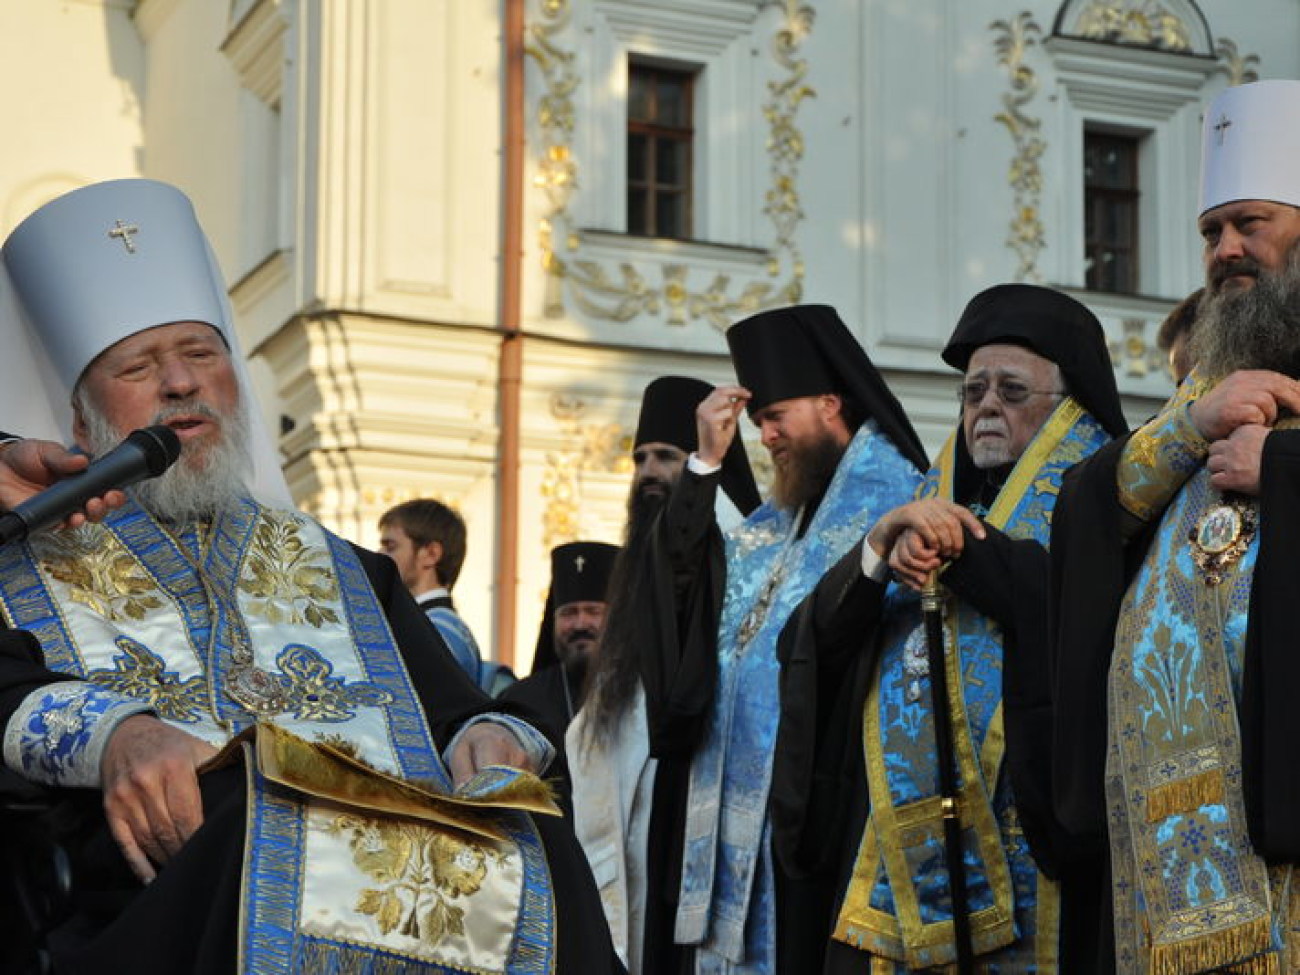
column 828, row 653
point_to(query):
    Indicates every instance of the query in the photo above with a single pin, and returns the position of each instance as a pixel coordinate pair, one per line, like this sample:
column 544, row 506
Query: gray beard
column 197, row 487
column 1255, row 328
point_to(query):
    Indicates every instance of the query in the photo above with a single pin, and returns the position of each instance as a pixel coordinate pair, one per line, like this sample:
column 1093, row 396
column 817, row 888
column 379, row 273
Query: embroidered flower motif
column 418, row 873
column 140, row 673
column 103, row 576
column 282, row 575
column 315, row 694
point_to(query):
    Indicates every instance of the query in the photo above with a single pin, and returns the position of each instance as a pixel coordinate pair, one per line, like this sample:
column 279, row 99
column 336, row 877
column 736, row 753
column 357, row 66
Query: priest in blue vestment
column 843, row 454
column 1176, row 590
column 263, row 756
column 857, row 712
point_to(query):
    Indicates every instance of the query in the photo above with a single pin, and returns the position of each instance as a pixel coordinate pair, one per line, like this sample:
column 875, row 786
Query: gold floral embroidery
column 313, row 693
column 104, row 577
column 141, row 673
column 417, row 872
column 283, row 576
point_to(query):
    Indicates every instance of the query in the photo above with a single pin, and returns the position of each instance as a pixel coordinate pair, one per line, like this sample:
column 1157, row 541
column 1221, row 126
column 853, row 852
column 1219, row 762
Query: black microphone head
column 160, row 447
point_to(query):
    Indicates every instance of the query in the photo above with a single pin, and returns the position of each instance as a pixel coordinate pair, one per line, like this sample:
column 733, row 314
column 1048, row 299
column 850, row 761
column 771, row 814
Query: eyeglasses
column 1008, row 391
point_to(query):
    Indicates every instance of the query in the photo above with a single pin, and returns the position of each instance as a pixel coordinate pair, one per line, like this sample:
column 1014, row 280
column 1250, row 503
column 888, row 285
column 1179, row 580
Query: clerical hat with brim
column 1053, row 325
column 668, row 416
column 1250, row 145
column 580, row 573
column 806, row 350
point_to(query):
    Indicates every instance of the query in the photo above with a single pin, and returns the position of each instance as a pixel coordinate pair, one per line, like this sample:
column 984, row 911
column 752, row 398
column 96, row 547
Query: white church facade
column 462, row 235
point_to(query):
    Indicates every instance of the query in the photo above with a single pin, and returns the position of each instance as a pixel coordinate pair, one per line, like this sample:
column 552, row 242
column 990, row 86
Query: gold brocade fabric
column 425, row 876
column 1189, row 893
column 1162, row 454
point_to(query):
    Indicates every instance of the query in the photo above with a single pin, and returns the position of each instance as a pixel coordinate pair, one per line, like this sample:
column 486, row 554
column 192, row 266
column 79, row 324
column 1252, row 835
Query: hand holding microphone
column 145, row 453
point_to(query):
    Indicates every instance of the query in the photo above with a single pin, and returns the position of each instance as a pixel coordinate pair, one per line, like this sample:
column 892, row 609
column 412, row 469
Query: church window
column 1111, row 199
column 660, row 137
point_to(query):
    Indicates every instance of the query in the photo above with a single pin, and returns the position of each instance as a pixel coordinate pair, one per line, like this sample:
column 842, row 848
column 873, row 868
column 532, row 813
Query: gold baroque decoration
column 596, row 447
column 1141, row 23
column 1240, row 70
column 1012, row 41
column 622, row 294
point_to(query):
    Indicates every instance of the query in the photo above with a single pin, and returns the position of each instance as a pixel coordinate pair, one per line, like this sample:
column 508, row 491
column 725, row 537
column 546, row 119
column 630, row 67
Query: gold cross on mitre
column 578, row 563
column 125, row 231
column 1221, row 127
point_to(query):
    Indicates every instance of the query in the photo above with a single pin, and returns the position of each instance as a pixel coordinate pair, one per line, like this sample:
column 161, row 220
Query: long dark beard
column 807, row 471
column 1252, row 328
column 614, row 675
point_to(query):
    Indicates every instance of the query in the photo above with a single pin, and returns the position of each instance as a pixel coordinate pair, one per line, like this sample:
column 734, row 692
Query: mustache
column 653, row 482
column 1221, row 272
column 186, row 409
column 990, row 424
column 584, row 634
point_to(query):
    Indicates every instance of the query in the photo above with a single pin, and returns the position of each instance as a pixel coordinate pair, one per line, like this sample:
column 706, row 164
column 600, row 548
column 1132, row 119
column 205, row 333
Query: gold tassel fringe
column 1241, row 947
column 1184, row 795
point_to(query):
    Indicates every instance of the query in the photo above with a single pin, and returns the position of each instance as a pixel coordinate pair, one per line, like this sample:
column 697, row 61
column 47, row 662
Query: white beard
column 197, row 486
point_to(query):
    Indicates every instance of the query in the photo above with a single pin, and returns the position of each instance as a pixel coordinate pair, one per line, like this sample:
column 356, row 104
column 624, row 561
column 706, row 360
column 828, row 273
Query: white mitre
column 1250, row 149
column 93, row 267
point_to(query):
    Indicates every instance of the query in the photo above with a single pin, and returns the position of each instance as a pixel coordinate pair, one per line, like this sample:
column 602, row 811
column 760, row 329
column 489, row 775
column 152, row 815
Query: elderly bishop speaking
column 267, row 759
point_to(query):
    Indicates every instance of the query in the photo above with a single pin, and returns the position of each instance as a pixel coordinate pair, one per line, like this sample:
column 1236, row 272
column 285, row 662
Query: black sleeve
column 827, row 655
column 677, row 651
column 1270, row 719
column 687, row 521
column 1089, row 575
column 1007, row 580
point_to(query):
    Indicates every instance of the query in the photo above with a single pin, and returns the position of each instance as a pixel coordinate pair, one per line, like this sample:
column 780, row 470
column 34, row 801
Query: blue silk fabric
column 897, row 908
column 147, row 616
column 726, row 905
column 1189, row 893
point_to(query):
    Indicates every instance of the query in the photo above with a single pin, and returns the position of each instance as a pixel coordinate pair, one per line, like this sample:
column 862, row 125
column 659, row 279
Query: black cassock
column 187, row 919
column 828, row 653
column 543, row 694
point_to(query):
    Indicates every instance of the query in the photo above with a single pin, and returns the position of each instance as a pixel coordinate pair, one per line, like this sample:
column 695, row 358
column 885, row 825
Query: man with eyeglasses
column 867, row 881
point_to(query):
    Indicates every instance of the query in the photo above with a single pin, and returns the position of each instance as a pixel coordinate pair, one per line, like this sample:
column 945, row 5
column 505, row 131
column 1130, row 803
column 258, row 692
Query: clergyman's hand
column 151, row 790
column 30, row 466
column 485, row 744
column 938, row 522
column 1234, row 462
column 1252, row 396
column 715, row 422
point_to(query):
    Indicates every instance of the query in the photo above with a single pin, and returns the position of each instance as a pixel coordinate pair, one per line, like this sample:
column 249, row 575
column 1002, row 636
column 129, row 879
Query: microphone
column 145, row 453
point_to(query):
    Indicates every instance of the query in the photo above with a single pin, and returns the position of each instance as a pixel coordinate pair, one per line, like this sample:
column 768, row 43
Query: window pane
column 670, row 215
column 636, row 211
column 636, row 157
column 638, row 95
column 670, row 162
column 672, row 101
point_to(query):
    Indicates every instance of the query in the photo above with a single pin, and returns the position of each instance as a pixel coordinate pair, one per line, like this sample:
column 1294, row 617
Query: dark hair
column 1179, row 321
column 425, row 521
